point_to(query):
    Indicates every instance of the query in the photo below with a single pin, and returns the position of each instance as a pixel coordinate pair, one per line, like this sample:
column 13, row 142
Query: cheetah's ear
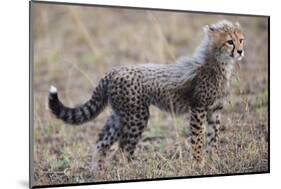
column 237, row 25
column 208, row 28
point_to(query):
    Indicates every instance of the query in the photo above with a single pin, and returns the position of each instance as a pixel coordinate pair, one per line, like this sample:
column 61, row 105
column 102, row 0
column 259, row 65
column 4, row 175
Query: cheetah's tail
column 83, row 113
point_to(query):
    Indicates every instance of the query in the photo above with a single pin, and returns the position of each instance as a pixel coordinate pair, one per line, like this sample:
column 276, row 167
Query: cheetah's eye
column 230, row 42
column 241, row 40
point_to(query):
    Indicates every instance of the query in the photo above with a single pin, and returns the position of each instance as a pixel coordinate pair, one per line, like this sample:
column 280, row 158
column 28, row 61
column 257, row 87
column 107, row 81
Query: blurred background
column 74, row 46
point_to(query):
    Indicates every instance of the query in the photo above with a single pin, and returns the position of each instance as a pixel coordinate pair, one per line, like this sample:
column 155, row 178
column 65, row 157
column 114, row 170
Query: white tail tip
column 53, row 89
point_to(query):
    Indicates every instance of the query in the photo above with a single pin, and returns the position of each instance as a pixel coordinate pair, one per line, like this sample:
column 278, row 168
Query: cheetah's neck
column 203, row 56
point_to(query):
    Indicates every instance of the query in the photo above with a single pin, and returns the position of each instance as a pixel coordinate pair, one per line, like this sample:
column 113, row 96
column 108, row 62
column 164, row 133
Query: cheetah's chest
column 208, row 91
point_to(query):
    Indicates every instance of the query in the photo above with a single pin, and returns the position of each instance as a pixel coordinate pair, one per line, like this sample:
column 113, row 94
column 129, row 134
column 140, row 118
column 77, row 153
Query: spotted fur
column 197, row 85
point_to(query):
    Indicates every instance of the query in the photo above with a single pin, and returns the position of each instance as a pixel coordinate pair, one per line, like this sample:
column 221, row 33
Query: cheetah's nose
column 239, row 51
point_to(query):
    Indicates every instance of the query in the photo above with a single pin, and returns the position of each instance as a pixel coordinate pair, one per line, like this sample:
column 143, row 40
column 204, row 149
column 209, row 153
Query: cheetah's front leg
column 213, row 119
column 198, row 117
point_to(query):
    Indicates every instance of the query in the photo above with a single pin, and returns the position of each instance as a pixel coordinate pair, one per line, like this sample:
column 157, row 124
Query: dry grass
column 75, row 46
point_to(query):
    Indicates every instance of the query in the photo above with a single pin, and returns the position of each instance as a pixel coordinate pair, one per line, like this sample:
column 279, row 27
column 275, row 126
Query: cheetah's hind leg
column 109, row 134
column 133, row 127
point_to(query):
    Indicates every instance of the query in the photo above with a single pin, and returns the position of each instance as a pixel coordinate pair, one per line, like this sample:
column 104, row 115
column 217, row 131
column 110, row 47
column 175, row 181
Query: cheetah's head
column 225, row 41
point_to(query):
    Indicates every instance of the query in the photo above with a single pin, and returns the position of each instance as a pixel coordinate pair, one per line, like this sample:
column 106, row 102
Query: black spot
column 195, row 126
column 194, row 133
column 132, row 123
column 202, row 116
column 101, row 136
column 192, row 141
column 194, row 116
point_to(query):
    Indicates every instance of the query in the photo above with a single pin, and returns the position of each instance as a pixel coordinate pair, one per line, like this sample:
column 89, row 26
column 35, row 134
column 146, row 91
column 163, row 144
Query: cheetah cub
column 197, row 85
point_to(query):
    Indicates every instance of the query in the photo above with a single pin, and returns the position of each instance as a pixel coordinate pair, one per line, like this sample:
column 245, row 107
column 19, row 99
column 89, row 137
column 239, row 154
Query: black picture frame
column 31, row 96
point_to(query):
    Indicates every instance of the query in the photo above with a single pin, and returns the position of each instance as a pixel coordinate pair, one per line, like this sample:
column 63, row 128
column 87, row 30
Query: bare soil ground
column 74, row 46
